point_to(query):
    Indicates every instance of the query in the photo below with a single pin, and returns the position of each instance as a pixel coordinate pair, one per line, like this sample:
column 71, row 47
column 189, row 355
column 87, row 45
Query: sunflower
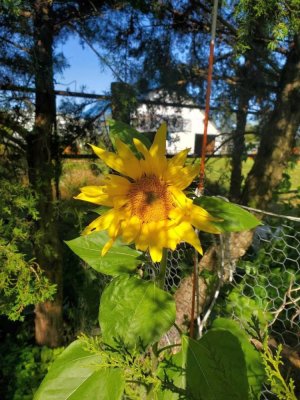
column 147, row 204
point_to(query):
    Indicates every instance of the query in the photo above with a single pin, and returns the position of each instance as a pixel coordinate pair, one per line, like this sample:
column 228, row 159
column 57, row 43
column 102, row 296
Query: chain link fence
column 253, row 279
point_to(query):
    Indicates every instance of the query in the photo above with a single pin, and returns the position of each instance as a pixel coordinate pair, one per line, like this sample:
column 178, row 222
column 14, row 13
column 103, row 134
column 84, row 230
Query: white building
column 185, row 125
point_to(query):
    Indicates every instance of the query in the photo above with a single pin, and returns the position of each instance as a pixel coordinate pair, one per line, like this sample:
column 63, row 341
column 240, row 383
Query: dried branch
column 67, row 93
column 288, row 300
column 290, row 353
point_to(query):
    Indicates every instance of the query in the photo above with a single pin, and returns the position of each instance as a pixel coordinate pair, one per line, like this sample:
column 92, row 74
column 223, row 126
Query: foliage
column 243, row 306
column 82, row 285
column 282, row 389
column 120, row 259
column 288, row 191
column 12, row 6
column 281, row 19
column 232, row 218
column 219, row 358
column 136, row 366
column 22, row 281
column 23, row 367
column 262, row 279
column 125, row 133
column 142, row 312
column 78, row 368
column 255, row 370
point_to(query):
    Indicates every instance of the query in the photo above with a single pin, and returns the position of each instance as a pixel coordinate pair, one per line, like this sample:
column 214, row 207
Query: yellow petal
column 154, row 162
column 131, row 229
column 148, row 167
column 114, row 229
column 179, row 159
column 155, row 253
column 101, row 223
column 158, row 148
column 172, row 238
column 149, row 235
column 107, row 247
column 146, row 164
column 92, row 191
column 132, row 163
column 114, row 161
column 179, row 197
column 177, row 214
column 117, row 184
column 115, row 224
column 153, row 236
column 181, row 177
column 187, row 234
column 119, row 201
column 102, row 199
column 141, row 242
column 202, row 220
column 141, row 148
column 117, row 188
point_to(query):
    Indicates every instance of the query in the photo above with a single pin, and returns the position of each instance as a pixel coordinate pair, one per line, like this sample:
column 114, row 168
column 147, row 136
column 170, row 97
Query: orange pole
column 200, row 187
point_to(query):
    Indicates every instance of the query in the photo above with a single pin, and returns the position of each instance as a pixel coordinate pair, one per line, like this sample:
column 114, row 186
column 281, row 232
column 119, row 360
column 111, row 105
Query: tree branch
column 67, row 93
column 12, row 141
column 7, row 121
column 25, row 49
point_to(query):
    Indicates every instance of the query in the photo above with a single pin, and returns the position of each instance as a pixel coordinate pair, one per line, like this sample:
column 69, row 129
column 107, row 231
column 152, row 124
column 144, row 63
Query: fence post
column 123, row 101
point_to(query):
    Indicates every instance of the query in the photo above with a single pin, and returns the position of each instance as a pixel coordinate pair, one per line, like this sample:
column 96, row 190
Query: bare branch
column 16, row 45
column 101, row 58
column 67, row 93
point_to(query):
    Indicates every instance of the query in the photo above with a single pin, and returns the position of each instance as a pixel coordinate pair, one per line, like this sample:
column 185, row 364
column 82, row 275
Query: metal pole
column 207, row 100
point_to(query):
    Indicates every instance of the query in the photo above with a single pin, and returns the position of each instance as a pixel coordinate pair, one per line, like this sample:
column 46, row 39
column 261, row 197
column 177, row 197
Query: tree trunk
column 123, row 101
column 278, row 135
column 274, row 151
column 48, row 320
column 238, row 148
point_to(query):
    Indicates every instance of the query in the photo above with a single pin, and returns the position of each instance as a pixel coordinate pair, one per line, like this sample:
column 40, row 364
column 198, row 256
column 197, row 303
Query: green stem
column 160, row 281
column 163, row 268
column 170, row 346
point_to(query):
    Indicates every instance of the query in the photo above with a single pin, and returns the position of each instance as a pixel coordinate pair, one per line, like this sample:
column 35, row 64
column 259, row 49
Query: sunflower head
column 149, row 199
column 147, row 204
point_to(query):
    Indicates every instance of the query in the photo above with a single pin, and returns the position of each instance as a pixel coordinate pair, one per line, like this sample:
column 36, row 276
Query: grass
column 218, row 170
column 79, row 173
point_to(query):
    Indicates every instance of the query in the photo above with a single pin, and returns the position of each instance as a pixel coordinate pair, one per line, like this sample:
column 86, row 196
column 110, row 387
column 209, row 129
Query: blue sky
column 85, row 69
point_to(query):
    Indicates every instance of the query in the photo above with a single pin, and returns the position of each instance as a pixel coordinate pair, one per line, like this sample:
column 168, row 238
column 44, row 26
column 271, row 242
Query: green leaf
column 120, row 259
column 215, row 367
column 76, row 375
column 172, row 373
column 253, row 360
column 100, row 209
column 126, row 133
column 234, row 218
column 135, row 312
